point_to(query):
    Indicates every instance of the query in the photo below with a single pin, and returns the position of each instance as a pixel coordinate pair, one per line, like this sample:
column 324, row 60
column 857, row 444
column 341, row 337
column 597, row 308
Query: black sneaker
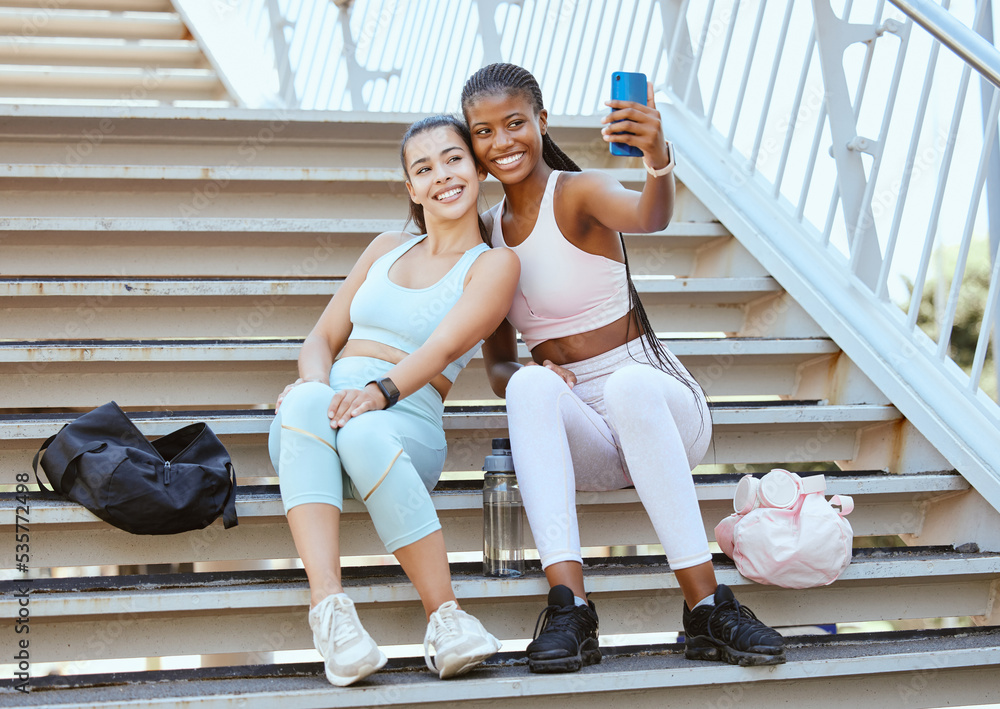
column 568, row 639
column 731, row 633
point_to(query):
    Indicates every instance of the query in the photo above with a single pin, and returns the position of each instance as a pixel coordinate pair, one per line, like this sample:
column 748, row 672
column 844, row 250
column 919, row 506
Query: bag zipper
column 166, row 463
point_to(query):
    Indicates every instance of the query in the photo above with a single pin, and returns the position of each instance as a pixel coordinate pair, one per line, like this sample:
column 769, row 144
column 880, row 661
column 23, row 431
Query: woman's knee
column 300, row 438
column 631, row 380
column 534, row 383
column 360, row 435
column 638, row 386
column 365, row 444
column 307, row 403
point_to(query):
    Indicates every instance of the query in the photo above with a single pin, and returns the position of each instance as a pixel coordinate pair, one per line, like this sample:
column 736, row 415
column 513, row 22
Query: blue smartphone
column 628, row 86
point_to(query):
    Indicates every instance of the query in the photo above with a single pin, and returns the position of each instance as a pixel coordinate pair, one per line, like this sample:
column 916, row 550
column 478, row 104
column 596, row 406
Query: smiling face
column 506, row 134
column 442, row 175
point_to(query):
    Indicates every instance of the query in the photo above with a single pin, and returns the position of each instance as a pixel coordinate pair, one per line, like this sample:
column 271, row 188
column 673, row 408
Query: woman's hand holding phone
column 639, row 126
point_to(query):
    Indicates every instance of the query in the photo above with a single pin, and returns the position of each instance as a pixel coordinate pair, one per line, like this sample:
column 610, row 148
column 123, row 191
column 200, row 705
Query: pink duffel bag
column 784, row 531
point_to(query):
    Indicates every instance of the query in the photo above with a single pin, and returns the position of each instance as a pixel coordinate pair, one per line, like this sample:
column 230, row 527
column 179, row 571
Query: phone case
column 627, row 86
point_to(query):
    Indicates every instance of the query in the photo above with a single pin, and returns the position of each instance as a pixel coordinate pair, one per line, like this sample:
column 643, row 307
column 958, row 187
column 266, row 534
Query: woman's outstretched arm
column 604, row 199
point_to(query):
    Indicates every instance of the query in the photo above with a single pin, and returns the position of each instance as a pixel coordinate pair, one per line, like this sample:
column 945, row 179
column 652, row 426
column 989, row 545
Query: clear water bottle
column 503, row 540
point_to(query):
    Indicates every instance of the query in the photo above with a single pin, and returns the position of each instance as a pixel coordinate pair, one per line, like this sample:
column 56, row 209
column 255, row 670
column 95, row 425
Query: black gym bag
column 179, row 482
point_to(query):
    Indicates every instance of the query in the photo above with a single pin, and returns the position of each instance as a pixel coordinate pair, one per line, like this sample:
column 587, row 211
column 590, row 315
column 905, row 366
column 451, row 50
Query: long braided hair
column 502, row 78
column 422, row 126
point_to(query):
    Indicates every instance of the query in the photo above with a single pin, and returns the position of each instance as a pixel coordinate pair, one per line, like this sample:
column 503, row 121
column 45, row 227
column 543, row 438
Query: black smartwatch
column 388, row 389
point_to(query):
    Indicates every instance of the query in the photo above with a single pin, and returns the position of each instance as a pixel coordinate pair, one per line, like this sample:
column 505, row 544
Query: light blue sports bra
column 404, row 318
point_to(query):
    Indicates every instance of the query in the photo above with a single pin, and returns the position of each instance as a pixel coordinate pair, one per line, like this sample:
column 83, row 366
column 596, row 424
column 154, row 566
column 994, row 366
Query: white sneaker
column 460, row 641
column 348, row 651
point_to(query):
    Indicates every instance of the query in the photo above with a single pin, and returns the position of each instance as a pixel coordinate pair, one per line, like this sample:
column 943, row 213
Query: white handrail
column 973, row 49
column 922, row 377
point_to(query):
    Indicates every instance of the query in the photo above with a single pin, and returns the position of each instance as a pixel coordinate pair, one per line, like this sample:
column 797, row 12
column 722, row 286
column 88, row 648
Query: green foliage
column 969, row 314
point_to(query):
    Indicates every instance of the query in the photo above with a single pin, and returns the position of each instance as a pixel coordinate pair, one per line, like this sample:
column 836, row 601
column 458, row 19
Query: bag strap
column 813, row 483
column 229, row 518
column 70, row 471
column 844, row 502
column 34, row 461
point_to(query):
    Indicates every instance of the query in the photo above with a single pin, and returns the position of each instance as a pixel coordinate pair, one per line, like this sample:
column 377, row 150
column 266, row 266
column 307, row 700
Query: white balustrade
column 787, row 84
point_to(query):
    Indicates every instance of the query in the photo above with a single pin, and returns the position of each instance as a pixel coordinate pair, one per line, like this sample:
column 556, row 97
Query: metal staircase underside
column 131, row 52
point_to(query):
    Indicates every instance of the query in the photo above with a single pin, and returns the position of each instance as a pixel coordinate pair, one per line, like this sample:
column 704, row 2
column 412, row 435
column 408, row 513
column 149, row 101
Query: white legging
column 623, row 423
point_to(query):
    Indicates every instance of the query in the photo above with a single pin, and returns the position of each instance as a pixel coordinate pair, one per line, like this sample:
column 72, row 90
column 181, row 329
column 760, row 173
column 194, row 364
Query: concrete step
column 893, row 670
column 303, row 138
column 745, row 432
column 148, row 308
column 109, row 5
column 684, row 290
column 290, row 179
column 239, row 611
column 162, row 84
column 160, row 247
column 211, row 185
column 102, row 52
column 59, row 22
column 67, row 534
column 250, row 372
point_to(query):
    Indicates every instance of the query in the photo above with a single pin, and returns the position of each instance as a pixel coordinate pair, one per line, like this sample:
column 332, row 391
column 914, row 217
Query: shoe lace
column 560, row 618
column 729, row 614
column 344, row 627
column 445, row 623
column 442, row 623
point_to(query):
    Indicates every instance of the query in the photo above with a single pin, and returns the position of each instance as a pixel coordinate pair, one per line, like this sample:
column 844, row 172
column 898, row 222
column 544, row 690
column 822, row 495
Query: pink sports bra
column 563, row 290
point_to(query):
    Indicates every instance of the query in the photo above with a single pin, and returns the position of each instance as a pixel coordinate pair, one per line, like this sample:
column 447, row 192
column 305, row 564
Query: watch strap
column 388, row 388
column 666, row 169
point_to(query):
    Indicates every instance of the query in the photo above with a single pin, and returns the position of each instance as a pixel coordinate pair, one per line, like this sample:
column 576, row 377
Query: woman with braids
column 407, row 319
column 610, row 406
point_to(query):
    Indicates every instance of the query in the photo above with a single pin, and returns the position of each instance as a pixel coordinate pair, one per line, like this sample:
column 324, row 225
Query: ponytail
column 555, row 158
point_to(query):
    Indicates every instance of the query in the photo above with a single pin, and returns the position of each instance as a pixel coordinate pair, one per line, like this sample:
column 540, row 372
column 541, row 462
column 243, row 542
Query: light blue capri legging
column 389, row 459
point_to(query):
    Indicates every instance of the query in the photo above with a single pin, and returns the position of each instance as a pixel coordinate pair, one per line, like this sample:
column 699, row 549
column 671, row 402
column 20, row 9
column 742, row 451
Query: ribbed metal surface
column 243, row 611
column 67, row 535
column 923, row 669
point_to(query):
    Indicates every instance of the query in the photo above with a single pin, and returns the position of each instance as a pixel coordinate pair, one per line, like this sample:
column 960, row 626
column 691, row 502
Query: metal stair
column 117, row 51
column 69, row 535
column 168, row 614
column 175, row 267
column 245, row 372
column 923, row 668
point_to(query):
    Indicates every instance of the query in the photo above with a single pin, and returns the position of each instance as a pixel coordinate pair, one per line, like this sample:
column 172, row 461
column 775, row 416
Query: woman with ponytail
column 408, row 317
column 609, row 406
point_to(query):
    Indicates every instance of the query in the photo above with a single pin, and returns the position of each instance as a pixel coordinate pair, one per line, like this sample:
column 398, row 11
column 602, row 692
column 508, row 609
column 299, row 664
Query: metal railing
column 415, row 55
column 389, row 55
column 894, row 199
column 878, row 191
column 819, row 107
